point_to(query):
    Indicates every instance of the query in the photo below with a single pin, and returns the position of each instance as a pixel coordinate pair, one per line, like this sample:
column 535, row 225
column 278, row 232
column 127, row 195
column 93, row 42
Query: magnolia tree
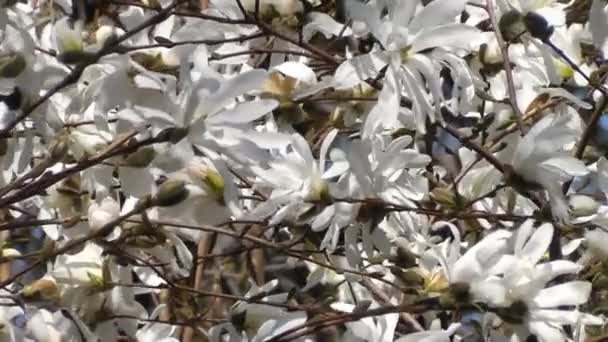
column 298, row 170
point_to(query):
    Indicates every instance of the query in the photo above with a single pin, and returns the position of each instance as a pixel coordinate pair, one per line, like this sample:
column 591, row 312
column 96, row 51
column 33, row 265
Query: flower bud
column 511, row 26
column 41, row 289
column 537, row 26
column 516, row 313
column 59, row 148
column 171, row 192
column 404, row 258
column 3, row 147
column 141, row 158
column 457, row 294
column 12, row 65
column 215, row 181
column 105, row 34
column 444, row 197
column 74, row 57
column 173, row 134
column 10, row 253
column 408, row 277
column 95, row 281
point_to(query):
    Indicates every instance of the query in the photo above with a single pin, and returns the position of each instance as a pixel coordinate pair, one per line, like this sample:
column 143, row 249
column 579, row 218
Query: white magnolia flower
column 202, row 193
column 541, row 157
column 296, row 177
column 80, row 269
column 261, row 322
column 405, row 35
column 45, row 326
column 444, row 265
column 532, row 307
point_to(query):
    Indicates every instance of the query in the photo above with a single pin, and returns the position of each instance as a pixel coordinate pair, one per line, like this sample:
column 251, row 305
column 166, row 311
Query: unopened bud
column 10, row 253
column 173, row 134
column 59, row 148
column 511, row 26
column 171, row 192
column 516, row 313
column 215, row 181
column 456, row 295
column 444, row 197
column 48, row 247
column 537, row 26
column 41, row 289
column 408, row 277
column 404, row 258
column 141, row 158
column 3, row 147
column 96, row 281
column 75, row 56
column 12, row 65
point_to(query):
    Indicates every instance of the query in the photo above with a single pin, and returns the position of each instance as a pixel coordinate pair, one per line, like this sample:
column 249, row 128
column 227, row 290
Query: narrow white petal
column 536, row 247
column 571, row 293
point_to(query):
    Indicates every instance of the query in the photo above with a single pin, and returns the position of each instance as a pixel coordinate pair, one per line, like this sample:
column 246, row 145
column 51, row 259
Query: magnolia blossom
column 541, row 157
column 532, row 305
column 404, row 34
column 261, row 321
column 307, row 170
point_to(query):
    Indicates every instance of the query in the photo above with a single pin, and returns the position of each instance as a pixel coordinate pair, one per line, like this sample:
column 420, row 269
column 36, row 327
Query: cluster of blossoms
column 303, row 170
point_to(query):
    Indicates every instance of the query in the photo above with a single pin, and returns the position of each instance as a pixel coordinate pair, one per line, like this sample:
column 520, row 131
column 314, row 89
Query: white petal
column 523, row 234
column 598, row 24
column 602, row 174
column 545, row 332
column 556, row 316
column 571, row 293
column 321, row 22
column 552, row 269
column 426, row 336
column 273, row 327
column 570, row 165
column 446, row 36
column 234, row 87
column 135, row 181
column 244, row 112
column 322, row 220
column 359, row 68
column 536, row 247
column 268, row 140
column 329, row 138
column 299, row 71
column 437, row 12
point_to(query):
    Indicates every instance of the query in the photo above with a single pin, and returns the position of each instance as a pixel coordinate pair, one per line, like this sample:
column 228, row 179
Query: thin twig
column 504, row 50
